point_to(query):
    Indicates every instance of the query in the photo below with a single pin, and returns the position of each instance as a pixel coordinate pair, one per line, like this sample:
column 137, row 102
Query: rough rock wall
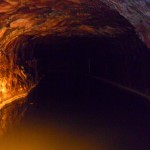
column 24, row 20
column 137, row 12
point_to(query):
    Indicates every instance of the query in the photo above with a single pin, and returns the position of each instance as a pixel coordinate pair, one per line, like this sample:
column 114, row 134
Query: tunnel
column 76, row 76
column 96, row 82
column 112, row 59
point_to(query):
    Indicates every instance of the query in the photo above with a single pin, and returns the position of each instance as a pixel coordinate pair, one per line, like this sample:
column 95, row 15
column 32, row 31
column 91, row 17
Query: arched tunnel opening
column 87, row 82
column 114, row 61
column 76, row 76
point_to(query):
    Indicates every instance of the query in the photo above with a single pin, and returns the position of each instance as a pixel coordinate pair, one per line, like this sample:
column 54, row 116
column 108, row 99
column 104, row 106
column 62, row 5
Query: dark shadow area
column 124, row 60
column 69, row 96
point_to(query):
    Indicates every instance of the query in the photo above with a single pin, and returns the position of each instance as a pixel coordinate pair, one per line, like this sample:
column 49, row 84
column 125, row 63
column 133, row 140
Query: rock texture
column 137, row 12
column 24, row 21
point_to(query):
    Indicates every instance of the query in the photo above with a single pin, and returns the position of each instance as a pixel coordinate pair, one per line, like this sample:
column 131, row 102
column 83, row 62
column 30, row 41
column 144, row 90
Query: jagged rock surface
column 137, row 12
column 22, row 21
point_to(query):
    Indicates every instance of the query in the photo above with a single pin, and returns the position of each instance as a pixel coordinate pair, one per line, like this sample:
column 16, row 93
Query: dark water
column 73, row 111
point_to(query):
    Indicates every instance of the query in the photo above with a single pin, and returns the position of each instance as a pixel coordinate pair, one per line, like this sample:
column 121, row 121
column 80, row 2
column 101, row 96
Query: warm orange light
column 10, row 90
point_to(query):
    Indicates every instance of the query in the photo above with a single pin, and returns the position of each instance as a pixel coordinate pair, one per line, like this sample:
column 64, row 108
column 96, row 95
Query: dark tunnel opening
column 70, row 95
column 77, row 77
column 123, row 60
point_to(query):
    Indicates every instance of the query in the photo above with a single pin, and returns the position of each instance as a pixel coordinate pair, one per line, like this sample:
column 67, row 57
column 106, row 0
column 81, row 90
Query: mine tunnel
column 115, row 60
column 92, row 81
column 95, row 84
column 86, row 75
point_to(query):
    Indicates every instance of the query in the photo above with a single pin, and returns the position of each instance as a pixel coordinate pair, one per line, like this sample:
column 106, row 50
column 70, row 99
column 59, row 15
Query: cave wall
column 137, row 12
column 25, row 23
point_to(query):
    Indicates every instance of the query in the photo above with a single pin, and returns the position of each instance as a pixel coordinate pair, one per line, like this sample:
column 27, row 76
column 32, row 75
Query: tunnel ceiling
column 137, row 12
column 25, row 20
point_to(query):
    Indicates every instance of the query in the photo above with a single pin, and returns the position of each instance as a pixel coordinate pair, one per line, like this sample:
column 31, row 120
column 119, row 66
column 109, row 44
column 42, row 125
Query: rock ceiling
column 23, row 20
column 137, row 12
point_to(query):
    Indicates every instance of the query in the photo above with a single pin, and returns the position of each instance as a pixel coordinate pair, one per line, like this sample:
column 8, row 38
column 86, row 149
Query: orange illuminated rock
column 5, row 7
column 23, row 20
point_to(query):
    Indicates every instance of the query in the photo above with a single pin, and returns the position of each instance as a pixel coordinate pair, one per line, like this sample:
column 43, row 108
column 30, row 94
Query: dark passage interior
column 70, row 95
column 123, row 60
column 90, row 73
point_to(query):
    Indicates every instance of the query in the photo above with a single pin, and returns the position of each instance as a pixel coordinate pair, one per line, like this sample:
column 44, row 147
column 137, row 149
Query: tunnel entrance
column 77, row 74
column 69, row 95
column 112, row 59
column 89, row 75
